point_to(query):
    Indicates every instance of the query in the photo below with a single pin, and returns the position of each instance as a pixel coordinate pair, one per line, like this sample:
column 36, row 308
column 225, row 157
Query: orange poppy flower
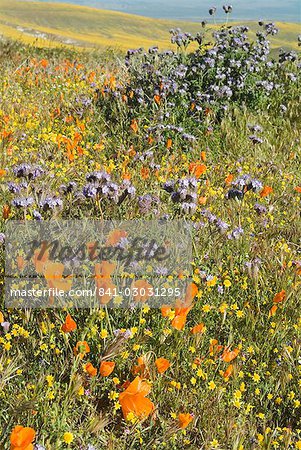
column 198, row 329
column 228, row 372
column 298, row 189
column 197, row 169
column 81, row 349
column 44, row 63
column 104, row 269
column 21, row 438
column 279, row 297
column 228, row 355
column 202, row 200
column 133, row 399
column 142, row 290
column 69, row 325
column 162, row 364
column 180, row 317
column 229, row 178
column 106, row 368
column 115, row 236
column 2, row 172
column 184, row 420
column 90, row 369
column 267, row 190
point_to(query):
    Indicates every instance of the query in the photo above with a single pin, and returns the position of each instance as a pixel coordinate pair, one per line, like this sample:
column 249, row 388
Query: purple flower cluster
column 22, row 202
column 50, row 203
column 147, row 203
column 213, row 219
column 236, row 233
column 100, row 184
column 243, row 184
column 184, row 192
column 27, row 171
column 233, row 70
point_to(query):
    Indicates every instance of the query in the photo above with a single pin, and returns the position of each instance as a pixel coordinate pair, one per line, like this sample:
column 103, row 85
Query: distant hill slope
column 54, row 24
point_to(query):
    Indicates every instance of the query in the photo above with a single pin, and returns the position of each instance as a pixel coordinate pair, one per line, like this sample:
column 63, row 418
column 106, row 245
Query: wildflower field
column 208, row 133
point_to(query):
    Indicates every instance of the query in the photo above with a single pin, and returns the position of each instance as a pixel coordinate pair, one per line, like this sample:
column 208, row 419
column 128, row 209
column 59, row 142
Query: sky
column 197, row 10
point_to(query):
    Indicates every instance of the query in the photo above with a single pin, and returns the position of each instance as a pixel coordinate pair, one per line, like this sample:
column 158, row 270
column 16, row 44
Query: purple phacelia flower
column 22, row 202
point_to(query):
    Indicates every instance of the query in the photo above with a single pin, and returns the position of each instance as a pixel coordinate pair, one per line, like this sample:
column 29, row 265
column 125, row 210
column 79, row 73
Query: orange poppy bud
column 191, row 292
column 5, row 211
column 162, row 364
column 273, row 310
column 106, row 368
column 169, row 143
column 228, row 372
column 44, row 63
column 140, row 369
column 203, row 156
column 134, row 125
column 69, row 325
column 184, row 420
column 298, row 189
column 166, row 310
column 21, row 263
column 40, row 257
column 144, row 173
column 157, row 99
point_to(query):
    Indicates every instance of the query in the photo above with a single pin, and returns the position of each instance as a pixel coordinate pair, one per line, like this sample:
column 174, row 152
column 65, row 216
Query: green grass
column 89, row 27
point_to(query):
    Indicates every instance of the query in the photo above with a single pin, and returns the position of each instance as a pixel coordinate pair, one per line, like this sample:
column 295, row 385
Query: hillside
column 52, row 24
